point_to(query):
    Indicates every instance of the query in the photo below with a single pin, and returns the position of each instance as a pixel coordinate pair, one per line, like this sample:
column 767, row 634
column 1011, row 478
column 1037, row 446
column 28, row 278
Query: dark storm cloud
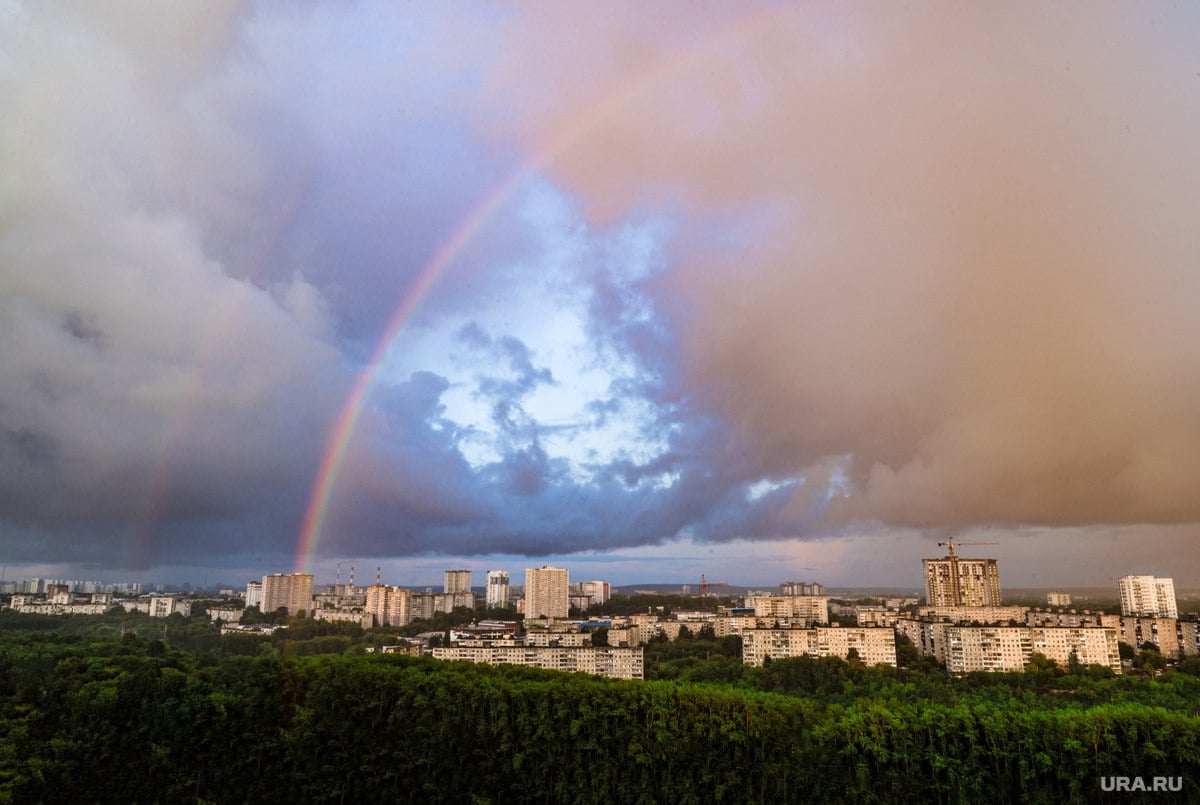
column 945, row 250
column 842, row 266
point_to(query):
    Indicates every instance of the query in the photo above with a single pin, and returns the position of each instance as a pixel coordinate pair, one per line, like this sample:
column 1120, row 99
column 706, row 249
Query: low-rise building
column 364, row 619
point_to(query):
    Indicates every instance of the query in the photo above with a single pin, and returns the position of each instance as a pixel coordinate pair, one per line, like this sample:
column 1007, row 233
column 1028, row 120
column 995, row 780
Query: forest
column 104, row 710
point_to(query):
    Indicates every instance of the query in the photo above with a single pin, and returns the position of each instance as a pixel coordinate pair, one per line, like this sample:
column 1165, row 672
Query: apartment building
column 872, row 645
column 546, row 592
column 954, row 581
column 810, row 609
column 1147, row 596
column 456, row 581
column 388, row 605
column 496, row 594
column 292, row 591
column 609, row 661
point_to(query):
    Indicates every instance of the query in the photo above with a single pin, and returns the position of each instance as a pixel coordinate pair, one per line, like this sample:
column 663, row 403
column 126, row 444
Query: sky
column 761, row 291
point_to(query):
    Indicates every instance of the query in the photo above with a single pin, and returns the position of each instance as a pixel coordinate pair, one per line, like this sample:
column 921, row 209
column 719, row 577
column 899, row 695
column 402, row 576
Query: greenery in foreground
column 114, row 713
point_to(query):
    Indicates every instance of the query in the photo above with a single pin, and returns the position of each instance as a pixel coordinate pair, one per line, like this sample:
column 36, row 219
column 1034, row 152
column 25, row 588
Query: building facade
column 967, row 647
column 496, row 595
column 955, row 582
column 389, row 606
column 162, row 606
column 870, row 644
column 456, row 581
column 293, row 591
column 597, row 591
column 618, row 663
column 547, row 592
column 1148, row 596
column 809, row 609
column 801, row 588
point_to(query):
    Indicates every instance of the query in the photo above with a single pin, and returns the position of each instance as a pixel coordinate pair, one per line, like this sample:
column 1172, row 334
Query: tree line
column 133, row 718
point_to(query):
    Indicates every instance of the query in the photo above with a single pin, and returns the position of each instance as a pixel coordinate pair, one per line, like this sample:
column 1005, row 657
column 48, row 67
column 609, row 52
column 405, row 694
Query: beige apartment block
column 164, row 606
column 1188, row 633
column 812, row 609
column 974, row 614
column 1090, row 645
column 873, row 645
column 1008, row 648
column 547, row 592
column 456, row 581
column 389, row 606
column 293, row 591
column 726, row 625
column 987, row 648
column 1162, row 632
column 609, row 661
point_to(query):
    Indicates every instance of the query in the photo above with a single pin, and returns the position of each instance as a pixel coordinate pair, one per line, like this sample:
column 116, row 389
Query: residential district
column 961, row 623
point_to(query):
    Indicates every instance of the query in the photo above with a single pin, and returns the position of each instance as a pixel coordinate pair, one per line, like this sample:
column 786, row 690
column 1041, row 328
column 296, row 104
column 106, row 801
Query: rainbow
column 343, row 428
column 590, row 118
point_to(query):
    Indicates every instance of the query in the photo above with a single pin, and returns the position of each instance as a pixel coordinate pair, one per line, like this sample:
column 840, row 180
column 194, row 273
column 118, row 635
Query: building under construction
column 953, row 581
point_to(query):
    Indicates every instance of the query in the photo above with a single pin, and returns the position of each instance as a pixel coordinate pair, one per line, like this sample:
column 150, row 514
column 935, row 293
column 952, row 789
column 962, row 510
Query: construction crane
column 704, row 585
column 949, row 543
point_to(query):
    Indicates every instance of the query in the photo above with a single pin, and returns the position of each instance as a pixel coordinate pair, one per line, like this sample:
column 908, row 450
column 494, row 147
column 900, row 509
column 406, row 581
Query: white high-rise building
column 598, row 591
column 254, row 594
column 1148, row 596
column 457, row 581
column 547, row 592
column 497, row 589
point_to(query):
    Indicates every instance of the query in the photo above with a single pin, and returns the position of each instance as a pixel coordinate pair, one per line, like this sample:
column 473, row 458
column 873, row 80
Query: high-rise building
column 457, row 581
column 547, row 592
column 390, row 606
column 598, row 591
column 1148, row 596
column 293, row 591
column 801, row 588
column 953, row 581
column 254, row 594
column 497, row 588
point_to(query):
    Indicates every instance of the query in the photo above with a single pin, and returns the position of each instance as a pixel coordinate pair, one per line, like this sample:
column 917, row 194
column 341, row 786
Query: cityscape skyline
column 749, row 291
column 431, row 573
